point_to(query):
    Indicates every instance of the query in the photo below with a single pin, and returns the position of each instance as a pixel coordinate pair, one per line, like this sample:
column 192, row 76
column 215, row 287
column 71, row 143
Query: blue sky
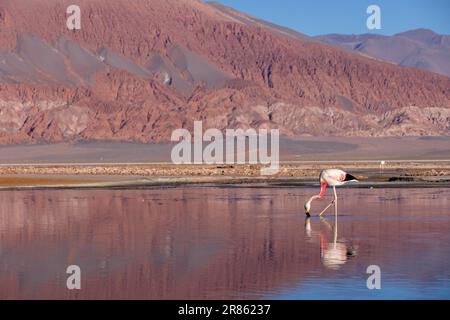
column 314, row 17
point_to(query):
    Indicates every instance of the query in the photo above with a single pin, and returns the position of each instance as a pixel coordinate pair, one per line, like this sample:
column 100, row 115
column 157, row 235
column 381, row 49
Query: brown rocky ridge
column 139, row 69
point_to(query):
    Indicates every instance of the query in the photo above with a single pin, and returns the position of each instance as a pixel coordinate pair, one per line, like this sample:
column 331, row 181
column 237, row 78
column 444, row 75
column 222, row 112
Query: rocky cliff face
column 139, row 69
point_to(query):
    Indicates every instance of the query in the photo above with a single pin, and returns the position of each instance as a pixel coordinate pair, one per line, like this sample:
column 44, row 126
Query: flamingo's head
column 307, row 207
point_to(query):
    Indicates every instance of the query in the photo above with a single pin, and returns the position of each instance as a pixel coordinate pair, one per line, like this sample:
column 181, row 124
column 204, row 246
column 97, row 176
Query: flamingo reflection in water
column 333, row 254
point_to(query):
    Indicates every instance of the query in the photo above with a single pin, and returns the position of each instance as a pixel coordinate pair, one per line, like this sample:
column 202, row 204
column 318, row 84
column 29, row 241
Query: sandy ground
column 409, row 161
column 293, row 173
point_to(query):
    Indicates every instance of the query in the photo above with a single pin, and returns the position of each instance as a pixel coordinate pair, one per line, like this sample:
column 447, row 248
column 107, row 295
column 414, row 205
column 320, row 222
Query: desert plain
column 408, row 161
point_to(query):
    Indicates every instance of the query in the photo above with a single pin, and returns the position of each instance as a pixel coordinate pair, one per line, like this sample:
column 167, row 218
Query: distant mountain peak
column 419, row 48
column 418, row 31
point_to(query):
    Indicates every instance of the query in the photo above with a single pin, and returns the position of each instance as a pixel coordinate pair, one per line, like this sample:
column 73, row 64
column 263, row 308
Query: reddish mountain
column 139, row 69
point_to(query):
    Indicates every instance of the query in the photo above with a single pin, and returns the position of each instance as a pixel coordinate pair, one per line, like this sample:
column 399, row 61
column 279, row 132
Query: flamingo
column 332, row 178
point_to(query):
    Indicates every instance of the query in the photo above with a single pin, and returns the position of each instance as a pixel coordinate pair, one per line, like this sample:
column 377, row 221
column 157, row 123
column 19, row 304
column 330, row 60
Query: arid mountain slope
column 139, row 69
column 419, row 48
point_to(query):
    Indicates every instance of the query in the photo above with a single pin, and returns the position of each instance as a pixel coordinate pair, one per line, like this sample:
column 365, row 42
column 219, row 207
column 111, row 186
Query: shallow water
column 216, row 243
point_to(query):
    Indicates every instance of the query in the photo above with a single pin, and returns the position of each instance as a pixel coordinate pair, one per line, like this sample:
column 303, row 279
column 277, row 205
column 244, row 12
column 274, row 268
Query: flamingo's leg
column 335, row 202
column 326, row 208
column 335, row 217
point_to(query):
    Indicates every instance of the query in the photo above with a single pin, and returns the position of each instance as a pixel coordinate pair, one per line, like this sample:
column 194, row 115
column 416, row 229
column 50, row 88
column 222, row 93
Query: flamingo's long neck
column 323, row 186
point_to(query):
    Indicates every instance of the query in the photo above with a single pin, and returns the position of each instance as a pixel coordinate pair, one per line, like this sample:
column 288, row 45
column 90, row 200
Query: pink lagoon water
column 224, row 243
